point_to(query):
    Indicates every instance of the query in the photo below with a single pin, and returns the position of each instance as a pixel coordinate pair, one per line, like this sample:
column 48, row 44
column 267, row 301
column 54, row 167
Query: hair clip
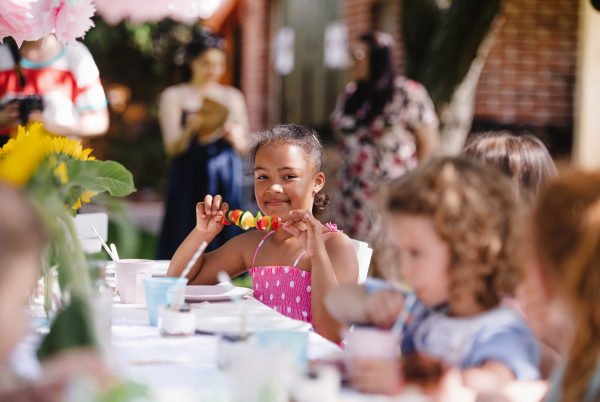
column 315, row 137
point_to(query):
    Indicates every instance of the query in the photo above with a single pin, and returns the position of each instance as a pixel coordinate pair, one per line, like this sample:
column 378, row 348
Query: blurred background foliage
column 136, row 64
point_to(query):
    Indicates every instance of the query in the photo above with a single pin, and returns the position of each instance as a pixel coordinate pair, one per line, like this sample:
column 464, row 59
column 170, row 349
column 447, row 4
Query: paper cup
column 129, row 274
column 162, row 291
column 366, row 342
column 293, row 342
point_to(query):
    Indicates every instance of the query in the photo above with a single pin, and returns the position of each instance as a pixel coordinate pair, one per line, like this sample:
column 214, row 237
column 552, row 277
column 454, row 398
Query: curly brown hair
column 301, row 136
column 473, row 211
column 566, row 240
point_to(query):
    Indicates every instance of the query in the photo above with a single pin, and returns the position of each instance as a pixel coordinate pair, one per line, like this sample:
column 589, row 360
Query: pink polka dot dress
column 286, row 289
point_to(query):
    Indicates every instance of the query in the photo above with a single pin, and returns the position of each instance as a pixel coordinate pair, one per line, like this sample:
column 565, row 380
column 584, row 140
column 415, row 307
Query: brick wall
column 529, row 76
column 254, row 58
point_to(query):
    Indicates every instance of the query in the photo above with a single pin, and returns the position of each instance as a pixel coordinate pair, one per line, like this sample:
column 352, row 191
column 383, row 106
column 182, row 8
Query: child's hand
column 383, row 308
column 312, row 237
column 209, row 214
column 375, row 376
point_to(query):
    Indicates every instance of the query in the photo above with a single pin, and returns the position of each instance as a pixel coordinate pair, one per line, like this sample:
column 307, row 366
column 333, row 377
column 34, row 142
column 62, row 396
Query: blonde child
column 451, row 221
column 292, row 268
column 524, row 159
column 566, row 239
column 22, row 240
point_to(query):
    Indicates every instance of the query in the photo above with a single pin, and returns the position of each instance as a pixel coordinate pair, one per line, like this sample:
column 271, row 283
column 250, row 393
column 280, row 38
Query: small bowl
column 181, row 322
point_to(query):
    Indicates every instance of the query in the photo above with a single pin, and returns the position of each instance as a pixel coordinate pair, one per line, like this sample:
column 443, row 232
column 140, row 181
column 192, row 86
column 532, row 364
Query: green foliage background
column 139, row 57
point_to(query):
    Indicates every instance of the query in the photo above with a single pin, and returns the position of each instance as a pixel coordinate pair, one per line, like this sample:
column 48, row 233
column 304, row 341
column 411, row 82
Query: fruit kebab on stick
column 245, row 220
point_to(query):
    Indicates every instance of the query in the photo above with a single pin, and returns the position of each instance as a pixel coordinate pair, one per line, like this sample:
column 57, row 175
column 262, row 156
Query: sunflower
column 21, row 156
column 62, row 145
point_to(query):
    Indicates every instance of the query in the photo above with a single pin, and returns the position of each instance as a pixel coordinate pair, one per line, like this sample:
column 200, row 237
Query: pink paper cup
column 129, row 275
column 366, row 342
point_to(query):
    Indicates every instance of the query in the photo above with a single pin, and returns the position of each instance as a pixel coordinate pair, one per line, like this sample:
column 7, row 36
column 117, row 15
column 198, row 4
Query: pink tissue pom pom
column 67, row 21
column 13, row 14
column 139, row 11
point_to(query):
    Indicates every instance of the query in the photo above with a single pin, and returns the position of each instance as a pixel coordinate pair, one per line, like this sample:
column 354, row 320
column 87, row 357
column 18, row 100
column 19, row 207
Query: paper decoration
column 336, row 45
column 283, row 51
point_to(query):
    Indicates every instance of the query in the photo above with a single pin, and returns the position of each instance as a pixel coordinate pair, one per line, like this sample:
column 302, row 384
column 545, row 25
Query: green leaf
column 72, row 328
column 113, row 176
column 100, row 176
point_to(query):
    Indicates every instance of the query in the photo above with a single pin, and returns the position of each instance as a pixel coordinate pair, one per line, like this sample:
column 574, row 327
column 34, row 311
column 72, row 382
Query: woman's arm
column 428, row 141
column 92, row 123
column 175, row 137
column 237, row 127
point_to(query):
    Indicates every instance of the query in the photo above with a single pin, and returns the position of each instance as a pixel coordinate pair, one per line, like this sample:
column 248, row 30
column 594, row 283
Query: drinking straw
column 186, row 271
column 409, row 302
column 195, row 257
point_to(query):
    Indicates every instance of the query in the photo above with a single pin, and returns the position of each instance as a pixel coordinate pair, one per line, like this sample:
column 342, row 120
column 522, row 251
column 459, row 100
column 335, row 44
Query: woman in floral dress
column 385, row 125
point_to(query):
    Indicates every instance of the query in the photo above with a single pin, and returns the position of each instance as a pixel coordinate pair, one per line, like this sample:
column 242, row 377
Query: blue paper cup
column 292, row 341
column 162, row 291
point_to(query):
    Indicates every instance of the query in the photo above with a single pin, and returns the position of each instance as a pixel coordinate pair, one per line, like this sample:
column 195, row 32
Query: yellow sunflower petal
column 77, row 204
column 87, row 194
column 19, row 165
column 61, row 171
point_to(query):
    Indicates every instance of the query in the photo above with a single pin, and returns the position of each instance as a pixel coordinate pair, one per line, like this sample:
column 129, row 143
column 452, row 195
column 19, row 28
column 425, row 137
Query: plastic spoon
column 104, row 244
column 114, row 250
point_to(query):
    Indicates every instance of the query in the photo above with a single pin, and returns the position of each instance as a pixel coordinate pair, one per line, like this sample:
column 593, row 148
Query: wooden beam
column 586, row 144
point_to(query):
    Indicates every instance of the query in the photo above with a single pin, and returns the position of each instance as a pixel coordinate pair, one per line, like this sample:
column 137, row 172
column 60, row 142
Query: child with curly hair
column 451, row 221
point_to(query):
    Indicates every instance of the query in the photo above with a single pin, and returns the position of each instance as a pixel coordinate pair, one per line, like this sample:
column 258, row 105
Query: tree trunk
column 446, row 48
column 456, row 116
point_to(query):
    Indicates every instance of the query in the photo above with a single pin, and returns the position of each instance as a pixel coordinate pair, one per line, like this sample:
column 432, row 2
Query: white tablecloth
column 182, row 368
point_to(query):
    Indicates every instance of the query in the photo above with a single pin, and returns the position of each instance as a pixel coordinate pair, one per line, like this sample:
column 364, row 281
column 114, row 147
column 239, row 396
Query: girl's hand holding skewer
column 311, row 238
column 209, row 214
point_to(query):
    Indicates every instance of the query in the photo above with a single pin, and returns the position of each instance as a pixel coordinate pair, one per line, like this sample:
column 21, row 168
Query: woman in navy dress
column 205, row 130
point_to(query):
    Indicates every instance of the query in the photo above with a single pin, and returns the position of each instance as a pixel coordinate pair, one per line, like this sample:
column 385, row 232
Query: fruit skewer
column 246, row 220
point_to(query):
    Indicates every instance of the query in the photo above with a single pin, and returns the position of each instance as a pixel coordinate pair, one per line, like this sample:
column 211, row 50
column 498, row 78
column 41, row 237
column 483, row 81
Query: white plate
column 231, row 325
column 200, row 293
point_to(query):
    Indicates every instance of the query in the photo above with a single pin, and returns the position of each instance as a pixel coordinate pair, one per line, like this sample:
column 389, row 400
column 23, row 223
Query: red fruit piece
column 235, row 215
column 264, row 223
column 276, row 221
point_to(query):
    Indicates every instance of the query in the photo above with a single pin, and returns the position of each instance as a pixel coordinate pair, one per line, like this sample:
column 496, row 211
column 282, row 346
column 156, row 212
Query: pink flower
column 13, row 14
column 68, row 21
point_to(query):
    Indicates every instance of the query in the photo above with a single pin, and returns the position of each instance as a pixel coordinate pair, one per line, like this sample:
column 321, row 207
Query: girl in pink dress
column 291, row 268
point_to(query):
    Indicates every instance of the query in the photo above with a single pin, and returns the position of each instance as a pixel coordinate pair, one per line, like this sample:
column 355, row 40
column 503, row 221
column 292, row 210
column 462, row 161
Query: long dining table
column 185, row 368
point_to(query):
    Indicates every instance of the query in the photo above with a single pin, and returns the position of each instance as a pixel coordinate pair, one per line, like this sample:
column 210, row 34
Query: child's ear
column 319, row 182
